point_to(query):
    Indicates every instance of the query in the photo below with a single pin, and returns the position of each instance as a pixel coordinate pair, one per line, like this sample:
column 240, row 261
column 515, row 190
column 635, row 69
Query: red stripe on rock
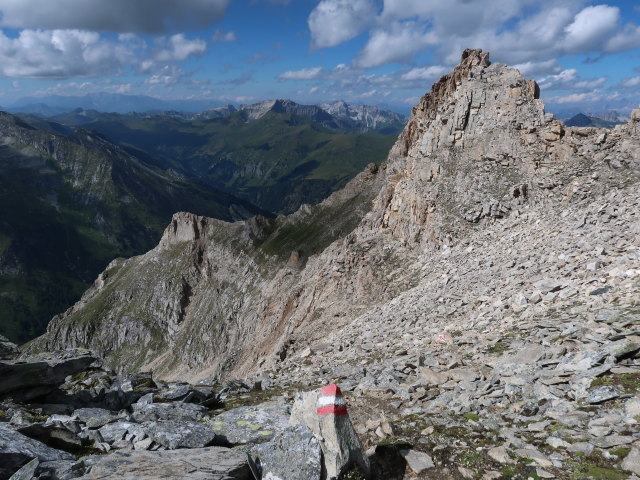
column 332, row 389
column 337, row 410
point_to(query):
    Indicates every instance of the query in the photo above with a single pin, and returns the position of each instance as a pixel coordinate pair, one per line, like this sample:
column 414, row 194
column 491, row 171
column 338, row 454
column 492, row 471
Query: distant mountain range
column 83, row 187
column 52, row 105
column 276, row 154
column 603, row 120
column 69, row 204
column 103, row 102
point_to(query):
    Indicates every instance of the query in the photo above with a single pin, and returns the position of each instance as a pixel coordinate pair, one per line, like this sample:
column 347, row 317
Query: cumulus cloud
column 172, row 49
column 396, row 45
column 167, row 76
column 594, row 96
column 425, row 73
column 80, row 53
column 179, row 48
column 333, row 22
column 138, row 16
column 535, row 69
column 630, row 82
column 569, row 79
column 591, row 27
column 304, row 74
column 529, row 33
column 224, row 37
column 62, row 53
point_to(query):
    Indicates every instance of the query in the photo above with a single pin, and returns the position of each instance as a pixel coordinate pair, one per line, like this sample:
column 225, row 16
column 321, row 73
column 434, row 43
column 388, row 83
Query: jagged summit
column 479, row 170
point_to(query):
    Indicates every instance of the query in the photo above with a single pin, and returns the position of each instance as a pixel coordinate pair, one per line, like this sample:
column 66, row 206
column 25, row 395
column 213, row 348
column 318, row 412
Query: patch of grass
column 593, row 466
column 354, row 474
column 472, row 416
column 620, row 452
column 471, row 459
column 395, row 442
column 498, row 348
column 628, row 383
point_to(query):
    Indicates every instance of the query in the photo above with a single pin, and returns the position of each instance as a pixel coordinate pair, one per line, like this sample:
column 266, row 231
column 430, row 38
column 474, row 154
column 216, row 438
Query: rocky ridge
column 485, row 308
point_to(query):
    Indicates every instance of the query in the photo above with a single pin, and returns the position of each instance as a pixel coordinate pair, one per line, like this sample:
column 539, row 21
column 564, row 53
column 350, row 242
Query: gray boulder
column 212, row 463
column 292, row 454
column 96, row 417
column 27, row 472
column 251, row 425
column 36, row 377
column 16, row 450
column 173, row 435
column 172, row 411
column 8, row 349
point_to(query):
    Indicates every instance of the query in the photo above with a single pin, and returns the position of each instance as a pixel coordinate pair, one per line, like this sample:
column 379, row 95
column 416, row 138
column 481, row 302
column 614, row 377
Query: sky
column 585, row 55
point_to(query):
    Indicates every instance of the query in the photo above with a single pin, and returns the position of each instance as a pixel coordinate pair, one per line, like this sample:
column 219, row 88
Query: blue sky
column 585, row 55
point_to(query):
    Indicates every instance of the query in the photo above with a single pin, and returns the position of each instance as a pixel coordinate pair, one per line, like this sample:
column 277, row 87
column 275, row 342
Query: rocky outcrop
column 36, row 377
column 8, row 349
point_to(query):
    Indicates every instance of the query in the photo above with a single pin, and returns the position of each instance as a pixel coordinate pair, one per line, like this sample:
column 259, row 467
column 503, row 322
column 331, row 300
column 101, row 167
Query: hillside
column 582, row 120
column 70, row 203
column 476, row 295
column 276, row 154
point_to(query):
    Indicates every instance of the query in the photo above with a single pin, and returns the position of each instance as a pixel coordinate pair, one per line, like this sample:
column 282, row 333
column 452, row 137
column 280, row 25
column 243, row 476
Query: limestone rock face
column 479, row 177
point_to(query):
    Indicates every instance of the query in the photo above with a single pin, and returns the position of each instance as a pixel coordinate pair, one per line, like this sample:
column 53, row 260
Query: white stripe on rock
column 330, row 400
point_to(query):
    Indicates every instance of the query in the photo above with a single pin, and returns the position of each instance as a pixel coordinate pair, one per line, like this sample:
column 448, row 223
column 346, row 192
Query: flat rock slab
column 19, row 377
column 293, row 454
column 251, row 425
column 212, row 463
column 175, row 411
column 417, row 461
column 96, row 417
column 17, row 450
column 173, row 435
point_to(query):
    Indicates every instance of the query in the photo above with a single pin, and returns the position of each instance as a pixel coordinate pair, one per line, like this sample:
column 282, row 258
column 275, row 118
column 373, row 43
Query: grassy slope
column 277, row 162
column 66, row 213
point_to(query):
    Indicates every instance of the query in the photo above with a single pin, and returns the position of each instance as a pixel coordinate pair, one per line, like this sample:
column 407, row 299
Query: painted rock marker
column 331, row 401
column 324, row 411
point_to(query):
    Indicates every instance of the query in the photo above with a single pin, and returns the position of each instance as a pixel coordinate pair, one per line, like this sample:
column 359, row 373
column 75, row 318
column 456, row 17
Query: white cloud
column 585, row 97
column 304, row 74
column 167, row 76
column 535, row 69
column 396, row 45
column 626, row 39
column 139, row 16
column 80, row 53
column 591, row 27
column 333, row 22
column 224, row 37
column 62, row 53
column 122, row 88
column 631, row 82
column 529, row 33
column 178, row 48
column 570, row 80
column 425, row 73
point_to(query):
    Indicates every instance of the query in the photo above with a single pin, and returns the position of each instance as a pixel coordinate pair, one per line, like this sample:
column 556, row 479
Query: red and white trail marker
column 331, row 401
